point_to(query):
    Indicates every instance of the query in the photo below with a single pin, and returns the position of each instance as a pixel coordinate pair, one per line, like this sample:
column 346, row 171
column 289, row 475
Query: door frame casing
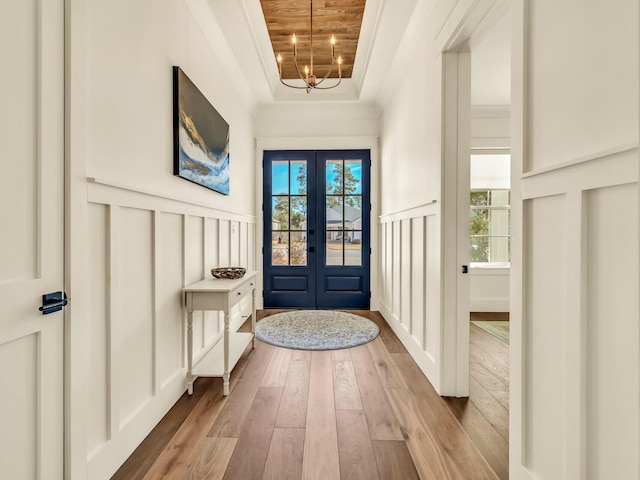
column 456, row 107
column 370, row 143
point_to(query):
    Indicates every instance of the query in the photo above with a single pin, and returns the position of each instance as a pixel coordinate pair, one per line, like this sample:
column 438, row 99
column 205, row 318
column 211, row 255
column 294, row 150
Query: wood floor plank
column 440, row 448
column 383, row 424
column 388, row 337
column 229, row 422
column 180, row 452
column 427, row 457
column 487, row 378
column 284, row 461
column 293, row 407
column 320, row 459
column 498, row 349
column 276, row 372
column 301, row 355
column 499, row 369
column 152, row 447
column 492, row 446
column 394, row 460
column 341, row 355
column 413, row 376
column 249, row 457
column 347, row 394
column 433, row 416
column 487, row 316
column 357, row 460
column 211, row 459
column 502, row 397
column 493, row 411
column 387, row 370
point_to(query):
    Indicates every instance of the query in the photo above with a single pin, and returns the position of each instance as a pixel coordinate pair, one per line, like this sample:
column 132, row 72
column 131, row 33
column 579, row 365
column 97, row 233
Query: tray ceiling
column 341, row 18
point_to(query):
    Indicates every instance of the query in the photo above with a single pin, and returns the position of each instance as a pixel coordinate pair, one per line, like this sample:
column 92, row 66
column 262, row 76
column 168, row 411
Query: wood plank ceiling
column 341, row 18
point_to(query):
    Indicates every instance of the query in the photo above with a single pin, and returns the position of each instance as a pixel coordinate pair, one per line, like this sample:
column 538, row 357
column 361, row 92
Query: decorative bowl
column 228, row 272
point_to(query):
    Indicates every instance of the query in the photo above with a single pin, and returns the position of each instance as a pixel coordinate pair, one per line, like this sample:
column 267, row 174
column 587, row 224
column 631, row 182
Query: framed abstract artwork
column 200, row 137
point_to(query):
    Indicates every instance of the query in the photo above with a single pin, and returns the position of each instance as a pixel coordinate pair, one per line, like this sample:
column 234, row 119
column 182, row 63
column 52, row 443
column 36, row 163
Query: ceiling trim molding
column 210, row 29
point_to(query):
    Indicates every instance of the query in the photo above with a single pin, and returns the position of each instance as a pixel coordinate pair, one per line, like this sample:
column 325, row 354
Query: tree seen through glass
column 289, row 213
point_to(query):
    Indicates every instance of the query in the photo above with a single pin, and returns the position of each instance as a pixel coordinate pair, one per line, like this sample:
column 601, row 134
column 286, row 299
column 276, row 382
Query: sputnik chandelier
column 309, row 78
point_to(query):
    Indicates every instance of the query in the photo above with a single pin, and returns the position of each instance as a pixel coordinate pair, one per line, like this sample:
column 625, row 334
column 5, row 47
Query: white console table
column 219, row 294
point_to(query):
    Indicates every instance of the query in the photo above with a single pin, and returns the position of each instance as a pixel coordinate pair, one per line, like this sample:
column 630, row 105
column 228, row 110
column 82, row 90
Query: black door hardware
column 53, row 302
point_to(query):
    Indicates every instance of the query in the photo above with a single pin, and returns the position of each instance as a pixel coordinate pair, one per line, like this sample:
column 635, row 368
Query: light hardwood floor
column 361, row 413
column 485, row 414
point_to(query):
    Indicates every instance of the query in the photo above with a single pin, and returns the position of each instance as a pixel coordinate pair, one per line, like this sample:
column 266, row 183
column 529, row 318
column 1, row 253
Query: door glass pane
column 352, row 176
column 352, row 212
column 298, row 177
column 280, row 177
column 334, row 181
column 280, row 248
column 298, row 248
column 335, row 214
column 353, row 247
column 299, row 213
column 280, row 213
column 335, row 249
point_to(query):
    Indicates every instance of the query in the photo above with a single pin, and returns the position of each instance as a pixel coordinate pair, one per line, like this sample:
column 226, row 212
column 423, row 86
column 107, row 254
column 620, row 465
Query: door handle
column 53, row 302
column 312, row 249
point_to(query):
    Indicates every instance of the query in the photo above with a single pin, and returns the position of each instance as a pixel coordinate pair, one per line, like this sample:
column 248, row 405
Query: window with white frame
column 490, row 223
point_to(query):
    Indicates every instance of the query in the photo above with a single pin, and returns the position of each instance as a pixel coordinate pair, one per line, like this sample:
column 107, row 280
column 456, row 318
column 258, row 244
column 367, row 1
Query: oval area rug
column 316, row 330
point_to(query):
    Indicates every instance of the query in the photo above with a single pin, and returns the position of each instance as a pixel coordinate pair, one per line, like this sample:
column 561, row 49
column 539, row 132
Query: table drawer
column 243, row 290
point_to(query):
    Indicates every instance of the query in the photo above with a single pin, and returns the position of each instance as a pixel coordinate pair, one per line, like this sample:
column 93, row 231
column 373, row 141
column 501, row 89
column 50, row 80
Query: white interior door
column 31, row 238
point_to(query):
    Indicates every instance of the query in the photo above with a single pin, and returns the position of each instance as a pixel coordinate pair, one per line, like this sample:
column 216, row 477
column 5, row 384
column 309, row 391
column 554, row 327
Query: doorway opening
column 316, row 244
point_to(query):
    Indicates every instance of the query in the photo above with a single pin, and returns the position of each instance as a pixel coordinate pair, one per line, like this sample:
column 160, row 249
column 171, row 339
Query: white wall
column 490, row 126
column 575, row 356
column 410, row 221
column 147, row 233
column 489, row 289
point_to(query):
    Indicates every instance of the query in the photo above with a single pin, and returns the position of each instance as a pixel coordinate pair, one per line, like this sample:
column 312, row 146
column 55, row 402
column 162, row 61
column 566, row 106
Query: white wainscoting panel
column 406, row 263
column 410, row 283
column 144, row 249
column 580, row 334
column 545, row 270
column 132, row 350
column 396, row 268
column 612, row 333
column 418, row 280
column 169, row 280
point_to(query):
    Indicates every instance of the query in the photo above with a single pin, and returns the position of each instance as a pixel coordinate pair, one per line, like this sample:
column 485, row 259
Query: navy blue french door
column 316, row 229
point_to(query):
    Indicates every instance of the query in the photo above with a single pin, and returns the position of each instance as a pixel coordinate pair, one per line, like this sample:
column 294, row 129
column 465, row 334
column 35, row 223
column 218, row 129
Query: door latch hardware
column 53, row 302
column 465, row 268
